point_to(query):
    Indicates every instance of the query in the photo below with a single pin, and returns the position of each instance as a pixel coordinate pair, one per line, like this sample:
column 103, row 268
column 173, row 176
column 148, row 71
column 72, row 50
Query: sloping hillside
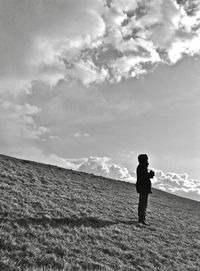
column 57, row 219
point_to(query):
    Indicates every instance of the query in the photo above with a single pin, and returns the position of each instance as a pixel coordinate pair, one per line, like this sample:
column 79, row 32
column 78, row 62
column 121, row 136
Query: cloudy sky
column 90, row 84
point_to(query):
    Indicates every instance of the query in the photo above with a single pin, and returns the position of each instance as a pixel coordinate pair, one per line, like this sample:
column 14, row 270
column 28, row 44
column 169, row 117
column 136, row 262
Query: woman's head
column 143, row 159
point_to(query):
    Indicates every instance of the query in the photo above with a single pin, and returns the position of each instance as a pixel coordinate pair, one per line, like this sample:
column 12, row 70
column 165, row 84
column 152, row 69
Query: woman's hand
column 151, row 174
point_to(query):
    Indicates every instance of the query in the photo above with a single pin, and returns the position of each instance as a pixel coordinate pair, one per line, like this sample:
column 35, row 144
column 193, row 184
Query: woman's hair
column 142, row 158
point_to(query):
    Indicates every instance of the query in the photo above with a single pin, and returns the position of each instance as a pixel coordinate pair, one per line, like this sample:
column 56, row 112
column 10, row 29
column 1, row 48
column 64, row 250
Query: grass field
column 57, row 219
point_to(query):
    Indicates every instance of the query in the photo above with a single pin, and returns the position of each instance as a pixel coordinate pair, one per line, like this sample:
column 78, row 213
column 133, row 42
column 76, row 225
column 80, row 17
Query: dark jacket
column 143, row 184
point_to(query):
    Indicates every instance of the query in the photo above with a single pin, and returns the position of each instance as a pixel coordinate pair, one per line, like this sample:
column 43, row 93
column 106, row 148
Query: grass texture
column 58, row 219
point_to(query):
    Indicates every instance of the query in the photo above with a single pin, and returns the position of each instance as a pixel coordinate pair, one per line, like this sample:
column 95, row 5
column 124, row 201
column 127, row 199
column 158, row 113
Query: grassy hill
column 57, row 219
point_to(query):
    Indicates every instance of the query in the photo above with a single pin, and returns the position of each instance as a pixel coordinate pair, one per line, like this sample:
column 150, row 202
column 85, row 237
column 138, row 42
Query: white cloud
column 104, row 167
column 77, row 134
column 36, row 35
column 87, row 72
column 53, row 137
column 179, row 184
column 101, row 166
column 39, row 156
column 69, row 39
column 150, row 27
column 125, row 5
column 18, row 124
column 54, row 45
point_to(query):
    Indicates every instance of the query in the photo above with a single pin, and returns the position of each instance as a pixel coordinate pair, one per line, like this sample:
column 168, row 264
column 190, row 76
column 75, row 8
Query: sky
column 91, row 84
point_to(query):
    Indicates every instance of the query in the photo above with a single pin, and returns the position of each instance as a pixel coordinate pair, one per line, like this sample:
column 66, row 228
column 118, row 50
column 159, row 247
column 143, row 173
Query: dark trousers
column 142, row 206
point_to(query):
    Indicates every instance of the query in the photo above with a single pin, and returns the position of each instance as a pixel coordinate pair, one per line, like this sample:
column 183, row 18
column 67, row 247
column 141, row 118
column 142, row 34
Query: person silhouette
column 143, row 186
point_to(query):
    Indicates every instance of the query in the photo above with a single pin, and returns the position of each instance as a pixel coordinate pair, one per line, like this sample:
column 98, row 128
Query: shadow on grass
column 71, row 222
